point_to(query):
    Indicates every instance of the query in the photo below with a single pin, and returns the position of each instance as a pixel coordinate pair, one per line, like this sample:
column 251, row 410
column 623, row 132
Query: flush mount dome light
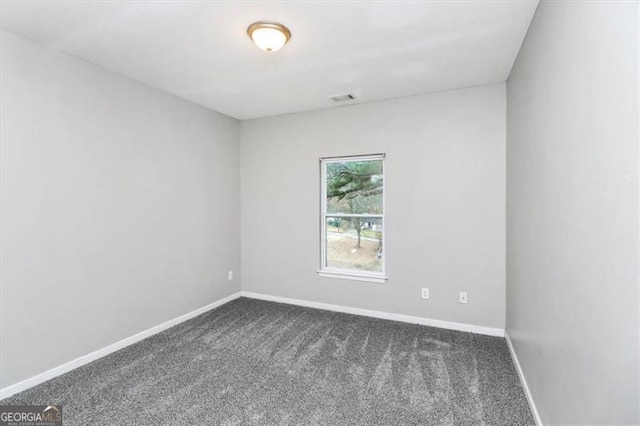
column 269, row 36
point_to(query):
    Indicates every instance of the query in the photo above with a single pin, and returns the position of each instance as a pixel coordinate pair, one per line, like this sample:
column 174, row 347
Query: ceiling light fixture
column 269, row 36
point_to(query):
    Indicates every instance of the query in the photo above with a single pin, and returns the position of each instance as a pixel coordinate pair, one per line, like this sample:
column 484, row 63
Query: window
column 352, row 218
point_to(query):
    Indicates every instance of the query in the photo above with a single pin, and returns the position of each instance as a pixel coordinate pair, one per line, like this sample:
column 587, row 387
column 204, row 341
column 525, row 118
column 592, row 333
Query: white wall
column 573, row 211
column 120, row 208
column 445, row 200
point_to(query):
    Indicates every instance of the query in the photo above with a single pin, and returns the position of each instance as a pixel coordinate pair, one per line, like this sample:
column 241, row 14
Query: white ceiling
column 200, row 50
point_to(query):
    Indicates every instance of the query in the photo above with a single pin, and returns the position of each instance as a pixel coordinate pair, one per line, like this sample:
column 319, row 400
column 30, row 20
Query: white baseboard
column 489, row 331
column 85, row 359
column 523, row 380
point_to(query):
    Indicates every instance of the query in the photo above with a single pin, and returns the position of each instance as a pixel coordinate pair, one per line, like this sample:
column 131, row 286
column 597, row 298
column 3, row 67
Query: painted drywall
column 573, row 211
column 120, row 208
column 445, row 203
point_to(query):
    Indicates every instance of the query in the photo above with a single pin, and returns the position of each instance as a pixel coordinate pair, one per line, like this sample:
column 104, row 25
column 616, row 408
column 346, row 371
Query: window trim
column 349, row 274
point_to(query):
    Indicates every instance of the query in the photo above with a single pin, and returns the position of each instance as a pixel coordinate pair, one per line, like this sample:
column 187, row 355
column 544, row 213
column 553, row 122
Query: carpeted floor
column 252, row 362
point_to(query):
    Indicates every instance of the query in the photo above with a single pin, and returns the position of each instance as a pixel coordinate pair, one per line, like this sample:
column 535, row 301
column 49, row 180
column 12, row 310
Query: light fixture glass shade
column 269, row 36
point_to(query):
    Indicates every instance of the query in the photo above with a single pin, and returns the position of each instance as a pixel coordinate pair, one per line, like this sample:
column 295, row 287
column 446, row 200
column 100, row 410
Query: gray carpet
column 252, row 362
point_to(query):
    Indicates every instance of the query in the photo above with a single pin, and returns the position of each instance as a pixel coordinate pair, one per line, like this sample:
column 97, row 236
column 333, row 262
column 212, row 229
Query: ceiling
column 200, row 51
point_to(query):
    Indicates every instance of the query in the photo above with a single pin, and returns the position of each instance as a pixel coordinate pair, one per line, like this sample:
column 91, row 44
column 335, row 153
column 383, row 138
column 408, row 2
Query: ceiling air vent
column 342, row 98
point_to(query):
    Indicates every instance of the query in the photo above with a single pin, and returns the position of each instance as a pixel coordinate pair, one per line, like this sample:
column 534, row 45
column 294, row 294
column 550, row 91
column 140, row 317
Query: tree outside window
column 353, row 214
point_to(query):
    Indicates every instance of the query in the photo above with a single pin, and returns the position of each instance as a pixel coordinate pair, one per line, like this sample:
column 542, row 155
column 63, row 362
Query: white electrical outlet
column 425, row 293
column 230, row 275
column 463, row 297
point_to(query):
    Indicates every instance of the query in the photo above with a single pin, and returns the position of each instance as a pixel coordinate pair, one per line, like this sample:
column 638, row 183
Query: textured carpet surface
column 252, row 362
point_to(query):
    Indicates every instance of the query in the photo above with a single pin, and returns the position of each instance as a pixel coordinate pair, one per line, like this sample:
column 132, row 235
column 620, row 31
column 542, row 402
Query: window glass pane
column 354, row 187
column 354, row 243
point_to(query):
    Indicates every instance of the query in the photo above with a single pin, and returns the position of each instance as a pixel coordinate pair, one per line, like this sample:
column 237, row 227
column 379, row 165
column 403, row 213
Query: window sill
column 352, row 276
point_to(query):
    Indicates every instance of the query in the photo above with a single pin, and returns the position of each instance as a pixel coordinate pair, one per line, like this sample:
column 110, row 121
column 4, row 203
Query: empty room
column 319, row 213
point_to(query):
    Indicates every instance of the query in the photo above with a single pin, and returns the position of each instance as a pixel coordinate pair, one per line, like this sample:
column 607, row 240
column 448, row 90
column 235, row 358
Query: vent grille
column 342, row 98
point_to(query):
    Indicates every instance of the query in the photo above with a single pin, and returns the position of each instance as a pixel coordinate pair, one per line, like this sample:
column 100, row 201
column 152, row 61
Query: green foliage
column 353, row 179
column 355, row 187
column 335, row 221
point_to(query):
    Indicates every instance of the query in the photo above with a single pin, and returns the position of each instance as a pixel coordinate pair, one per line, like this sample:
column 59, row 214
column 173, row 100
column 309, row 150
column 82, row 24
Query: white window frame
column 349, row 274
